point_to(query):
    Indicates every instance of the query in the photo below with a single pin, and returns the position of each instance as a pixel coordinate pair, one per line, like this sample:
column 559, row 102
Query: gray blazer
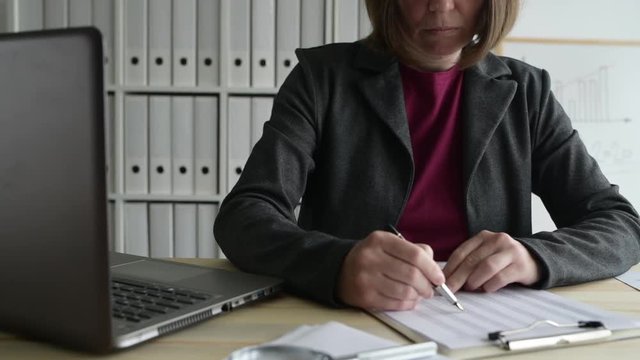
column 338, row 138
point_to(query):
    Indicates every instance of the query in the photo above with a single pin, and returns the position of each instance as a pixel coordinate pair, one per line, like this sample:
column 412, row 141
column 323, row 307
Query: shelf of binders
column 190, row 84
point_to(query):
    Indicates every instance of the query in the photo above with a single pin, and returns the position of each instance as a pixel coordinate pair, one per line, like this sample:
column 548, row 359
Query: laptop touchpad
column 157, row 271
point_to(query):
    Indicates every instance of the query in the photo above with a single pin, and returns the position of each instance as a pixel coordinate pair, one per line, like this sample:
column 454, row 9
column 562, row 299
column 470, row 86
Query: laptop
column 59, row 281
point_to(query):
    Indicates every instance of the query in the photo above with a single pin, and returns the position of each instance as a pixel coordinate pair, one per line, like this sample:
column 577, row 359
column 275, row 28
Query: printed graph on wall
column 597, row 84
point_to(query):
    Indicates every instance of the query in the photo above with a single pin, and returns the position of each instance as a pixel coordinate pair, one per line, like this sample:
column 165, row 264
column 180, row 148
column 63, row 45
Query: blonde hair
column 496, row 20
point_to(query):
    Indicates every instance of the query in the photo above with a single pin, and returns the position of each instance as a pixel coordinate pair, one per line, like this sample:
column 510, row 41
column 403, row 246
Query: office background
column 190, row 83
column 590, row 48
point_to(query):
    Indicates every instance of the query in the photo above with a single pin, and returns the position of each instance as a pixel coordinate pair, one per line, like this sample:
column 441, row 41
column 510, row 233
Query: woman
column 421, row 127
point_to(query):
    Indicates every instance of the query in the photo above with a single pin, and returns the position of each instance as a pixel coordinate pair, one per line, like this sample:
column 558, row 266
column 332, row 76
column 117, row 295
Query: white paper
column 337, row 340
column 631, row 278
column 507, row 309
column 333, row 338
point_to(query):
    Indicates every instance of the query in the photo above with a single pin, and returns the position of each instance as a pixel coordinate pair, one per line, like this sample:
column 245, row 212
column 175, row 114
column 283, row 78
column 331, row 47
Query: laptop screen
column 53, row 232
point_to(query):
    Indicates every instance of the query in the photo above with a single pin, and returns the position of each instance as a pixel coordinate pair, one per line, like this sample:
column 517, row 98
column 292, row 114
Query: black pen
column 442, row 289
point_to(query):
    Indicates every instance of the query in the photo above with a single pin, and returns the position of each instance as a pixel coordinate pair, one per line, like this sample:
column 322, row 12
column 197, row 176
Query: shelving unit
column 22, row 15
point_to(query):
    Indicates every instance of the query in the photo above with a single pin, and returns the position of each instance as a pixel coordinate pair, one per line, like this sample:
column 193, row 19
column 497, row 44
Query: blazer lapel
column 382, row 90
column 485, row 101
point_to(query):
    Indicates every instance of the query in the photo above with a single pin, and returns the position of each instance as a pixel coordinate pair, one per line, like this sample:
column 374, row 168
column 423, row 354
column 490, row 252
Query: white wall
column 595, row 81
column 608, row 19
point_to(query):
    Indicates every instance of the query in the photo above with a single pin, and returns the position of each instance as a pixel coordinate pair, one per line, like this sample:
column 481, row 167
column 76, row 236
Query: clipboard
column 464, row 334
column 595, row 330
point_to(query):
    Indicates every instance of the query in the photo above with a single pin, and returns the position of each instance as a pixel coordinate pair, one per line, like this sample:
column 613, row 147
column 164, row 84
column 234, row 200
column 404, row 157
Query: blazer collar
column 487, row 93
column 382, row 90
column 379, row 61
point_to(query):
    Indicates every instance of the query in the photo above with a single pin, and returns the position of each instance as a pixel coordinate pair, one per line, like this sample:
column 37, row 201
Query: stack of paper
column 338, row 340
column 333, row 338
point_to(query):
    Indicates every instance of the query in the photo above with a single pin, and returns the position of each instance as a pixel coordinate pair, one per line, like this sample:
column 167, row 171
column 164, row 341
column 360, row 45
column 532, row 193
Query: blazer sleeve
column 256, row 226
column 598, row 229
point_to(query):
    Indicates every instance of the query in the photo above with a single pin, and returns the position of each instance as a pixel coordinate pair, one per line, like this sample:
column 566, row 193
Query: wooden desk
column 267, row 320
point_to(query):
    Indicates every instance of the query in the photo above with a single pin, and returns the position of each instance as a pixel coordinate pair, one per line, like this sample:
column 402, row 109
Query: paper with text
column 510, row 308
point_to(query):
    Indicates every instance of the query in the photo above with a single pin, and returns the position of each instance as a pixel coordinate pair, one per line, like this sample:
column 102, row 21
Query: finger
column 431, row 269
column 487, row 269
column 378, row 301
column 461, row 252
column 426, row 248
column 374, row 300
column 503, row 278
column 469, row 264
column 407, row 274
column 398, row 290
column 405, row 250
column 419, row 256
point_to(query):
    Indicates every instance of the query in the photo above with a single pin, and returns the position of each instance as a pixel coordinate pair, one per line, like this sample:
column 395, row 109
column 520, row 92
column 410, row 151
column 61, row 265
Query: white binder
column 185, row 232
column 110, row 126
column 184, row 43
column 160, row 230
column 287, row 37
column 207, row 247
column 239, row 43
column 135, row 144
column 208, row 68
column 135, row 42
column 160, row 145
column 136, row 229
column 182, row 144
column 111, row 231
column 206, row 145
column 159, row 59
column 364, row 24
column 260, row 113
column 312, row 18
column 80, row 13
column 263, row 38
column 239, row 137
column 104, row 20
column 346, row 25
column 56, row 14
column 28, row 15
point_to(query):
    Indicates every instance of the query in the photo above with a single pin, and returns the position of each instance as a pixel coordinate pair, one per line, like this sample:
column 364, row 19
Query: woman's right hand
column 386, row 272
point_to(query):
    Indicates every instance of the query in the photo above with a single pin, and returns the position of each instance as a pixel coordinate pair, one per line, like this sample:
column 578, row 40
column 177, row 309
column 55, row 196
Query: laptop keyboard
column 137, row 301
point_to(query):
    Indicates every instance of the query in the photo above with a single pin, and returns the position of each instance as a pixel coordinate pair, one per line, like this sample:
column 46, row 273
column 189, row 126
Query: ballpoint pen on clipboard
column 595, row 330
column 442, row 289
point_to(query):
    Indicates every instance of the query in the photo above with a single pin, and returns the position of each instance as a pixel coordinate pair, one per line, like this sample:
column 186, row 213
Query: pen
column 440, row 289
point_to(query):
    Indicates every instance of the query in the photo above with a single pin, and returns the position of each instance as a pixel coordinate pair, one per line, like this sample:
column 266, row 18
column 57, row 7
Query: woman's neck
column 435, row 63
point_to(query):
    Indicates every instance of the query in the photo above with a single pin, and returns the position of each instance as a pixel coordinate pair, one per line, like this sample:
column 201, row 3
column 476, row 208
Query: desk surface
column 267, row 320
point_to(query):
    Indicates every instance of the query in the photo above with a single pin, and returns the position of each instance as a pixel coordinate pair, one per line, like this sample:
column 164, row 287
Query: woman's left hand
column 489, row 261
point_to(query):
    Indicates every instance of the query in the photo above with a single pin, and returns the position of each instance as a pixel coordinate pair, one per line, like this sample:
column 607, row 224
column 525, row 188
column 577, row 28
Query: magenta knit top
column 435, row 212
